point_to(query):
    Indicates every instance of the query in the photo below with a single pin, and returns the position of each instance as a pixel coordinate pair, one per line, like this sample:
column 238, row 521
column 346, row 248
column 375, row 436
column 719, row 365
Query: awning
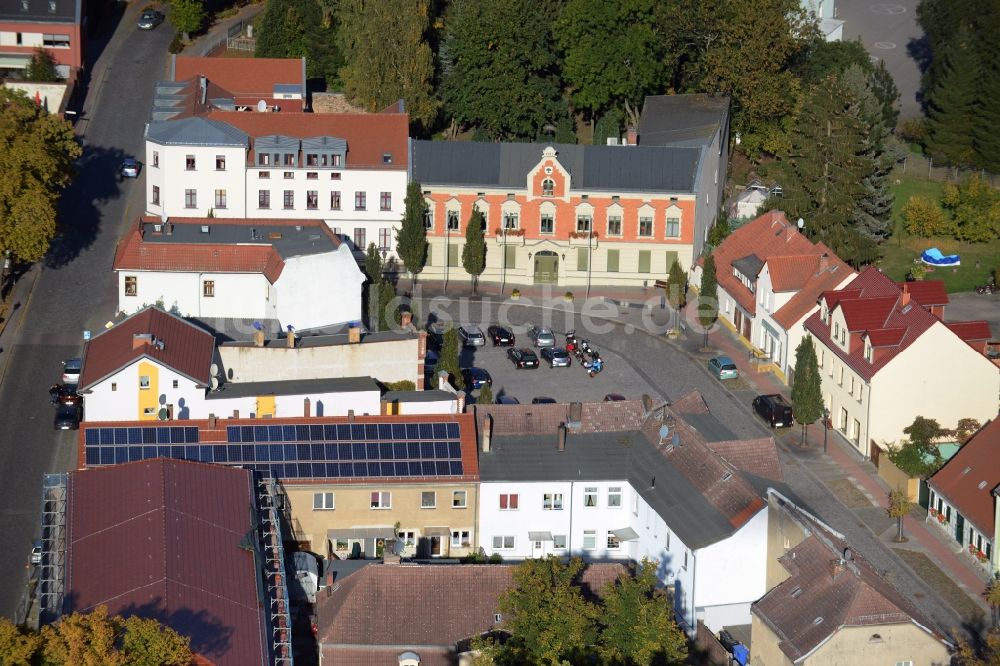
column 539, row 536
column 361, row 533
column 626, row 534
column 12, row 61
column 437, row 531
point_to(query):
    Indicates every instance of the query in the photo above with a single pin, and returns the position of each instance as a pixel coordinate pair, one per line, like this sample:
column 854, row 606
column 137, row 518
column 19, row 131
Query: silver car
column 471, row 336
column 557, row 357
column 542, row 336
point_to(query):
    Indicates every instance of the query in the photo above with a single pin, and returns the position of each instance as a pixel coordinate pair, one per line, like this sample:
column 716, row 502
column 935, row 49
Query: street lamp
column 503, row 258
column 826, row 426
column 447, row 250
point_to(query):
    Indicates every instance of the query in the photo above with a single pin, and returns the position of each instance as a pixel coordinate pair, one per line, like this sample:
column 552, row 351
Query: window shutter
column 612, row 261
column 644, row 261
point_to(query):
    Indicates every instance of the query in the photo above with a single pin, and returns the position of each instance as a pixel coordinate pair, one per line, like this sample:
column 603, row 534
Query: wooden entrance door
column 546, row 267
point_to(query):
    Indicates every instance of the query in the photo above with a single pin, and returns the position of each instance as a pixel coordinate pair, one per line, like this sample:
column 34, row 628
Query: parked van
column 773, row 409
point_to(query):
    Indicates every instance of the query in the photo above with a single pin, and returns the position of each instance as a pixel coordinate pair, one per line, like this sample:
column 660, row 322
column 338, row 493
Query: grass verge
column 968, row 609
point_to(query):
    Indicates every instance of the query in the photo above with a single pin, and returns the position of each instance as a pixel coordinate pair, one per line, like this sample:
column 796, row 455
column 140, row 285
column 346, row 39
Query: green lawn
column 900, row 251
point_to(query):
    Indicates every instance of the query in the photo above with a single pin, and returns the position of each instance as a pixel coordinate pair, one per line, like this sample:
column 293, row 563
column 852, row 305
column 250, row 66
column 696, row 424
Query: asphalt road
column 75, row 291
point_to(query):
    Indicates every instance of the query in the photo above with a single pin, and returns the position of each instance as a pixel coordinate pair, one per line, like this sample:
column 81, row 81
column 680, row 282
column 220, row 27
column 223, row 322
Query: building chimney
column 290, row 338
column 236, row 413
column 487, row 432
column 460, row 399
column 354, row 335
column 575, row 413
column 212, row 421
column 824, row 262
column 141, row 340
column 258, row 338
column 405, row 319
column 422, row 345
column 307, row 408
column 350, row 416
column 904, row 299
column 168, row 228
column 836, row 567
column 647, row 403
column 561, row 437
column 631, row 136
column 443, row 380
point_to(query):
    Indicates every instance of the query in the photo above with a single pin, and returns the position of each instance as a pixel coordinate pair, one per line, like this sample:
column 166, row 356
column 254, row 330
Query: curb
column 36, row 271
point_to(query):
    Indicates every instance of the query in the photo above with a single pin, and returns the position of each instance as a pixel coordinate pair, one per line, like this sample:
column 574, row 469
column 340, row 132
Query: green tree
column 474, row 252
column 637, row 625
column 548, row 618
column 18, row 646
column 373, row 264
column 952, row 102
column 823, row 58
column 974, row 208
column 992, row 595
column 985, row 138
column 98, row 639
column 149, row 643
column 188, row 16
column 485, row 396
column 918, row 456
column 41, row 67
column 719, row 232
column 899, row 507
column 386, row 55
column 608, row 125
column 296, row 29
column 448, row 360
column 676, row 290
column 411, row 239
column 925, row 218
column 708, row 297
column 35, row 165
column 605, row 66
column 498, row 69
column 807, row 392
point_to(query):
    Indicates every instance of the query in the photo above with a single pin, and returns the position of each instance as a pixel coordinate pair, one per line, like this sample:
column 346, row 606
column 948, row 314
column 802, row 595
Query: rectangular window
column 685, row 560
column 461, row 538
column 265, row 175
column 156, row 159
column 428, row 499
column 612, row 261
column 452, row 256
column 289, row 199
column 334, row 200
column 644, row 261
column 614, row 225
column 289, row 159
column 590, row 497
column 322, row 501
column 673, row 227
column 156, row 195
column 508, row 502
column 263, row 159
column 452, row 220
column 220, row 198
column 176, row 383
column 312, row 160
column 645, row 227
column 385, row 201
column 589, row 539
column 131, row 285
column 671, row 260
column 289, row 175
column 144, row 382
column 381, row 500
column 263, row 198
column 208, row 288
column 459, row 499
column 635, row 504
column 360, row 238
column 614, row 497
column 220, row 162
column 360, row 200
column 312, row 175
column 546, row 224
column 510, row 220
column 840, row 376
column 384, row 239
column 582, row 258
column 428, row 218
column 189, row 162
column 583, row 223
column 559, row 542
column 552, row 501
column 56, row 41
column 190, row 198
column 613, row 542
column 503, row 543
column 312, row 200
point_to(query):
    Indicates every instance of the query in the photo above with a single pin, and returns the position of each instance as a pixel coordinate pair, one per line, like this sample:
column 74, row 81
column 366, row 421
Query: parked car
column 557, row 357
column 430, row 361
column 150, row 19
column 435, row 333
column 507, row 400
column 130, row 168
column 471, row 336
column 542, row 400
column 68, row 416
column 522, row 358
column 723, row 368
column 36, row 551
column 476, row 378
column 501, row 336
column 542, row 336
column 614, row 397
column 71, row 371
column 774, row 409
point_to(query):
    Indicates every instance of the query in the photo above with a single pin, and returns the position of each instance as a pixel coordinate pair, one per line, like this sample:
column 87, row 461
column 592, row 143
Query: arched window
column 548, row 187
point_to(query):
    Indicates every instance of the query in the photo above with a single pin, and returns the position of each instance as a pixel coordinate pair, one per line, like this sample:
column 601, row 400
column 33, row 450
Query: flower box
column 941, row 518
column 933, row 513
column 981, row 556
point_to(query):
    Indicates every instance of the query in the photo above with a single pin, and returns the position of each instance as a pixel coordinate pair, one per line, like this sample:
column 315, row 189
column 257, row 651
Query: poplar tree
column 708, row 297
column 411, row 239
column 807, row 391
column 474, row 252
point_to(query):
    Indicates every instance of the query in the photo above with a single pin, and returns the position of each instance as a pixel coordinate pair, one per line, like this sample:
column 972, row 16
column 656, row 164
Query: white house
column 627, row 481
column 234, row 142
column 298, row 273
column 885, row 358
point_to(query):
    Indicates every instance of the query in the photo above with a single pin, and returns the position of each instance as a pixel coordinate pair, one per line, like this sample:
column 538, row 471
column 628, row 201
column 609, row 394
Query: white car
column 471, row 336
column 36, row 551
column 71, row 371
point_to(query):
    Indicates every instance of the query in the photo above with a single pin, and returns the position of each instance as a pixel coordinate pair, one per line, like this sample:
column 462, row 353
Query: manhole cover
column 887, row 9
column 885, row 45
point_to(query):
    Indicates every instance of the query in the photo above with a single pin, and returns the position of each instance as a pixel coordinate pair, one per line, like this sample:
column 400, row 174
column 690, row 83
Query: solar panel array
column 329, row 451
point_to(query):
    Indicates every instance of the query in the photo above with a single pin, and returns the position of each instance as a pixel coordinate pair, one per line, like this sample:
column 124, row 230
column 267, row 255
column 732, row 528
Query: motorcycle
column 596, row 366
column 986, row 289
column 571, row 341
column 585, row 346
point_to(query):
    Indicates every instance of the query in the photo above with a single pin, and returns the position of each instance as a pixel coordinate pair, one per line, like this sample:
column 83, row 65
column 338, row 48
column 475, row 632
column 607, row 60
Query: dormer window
column 548, row 187
column 824, row 313
column 386, row 158
column 836, row 330
column 868, row 350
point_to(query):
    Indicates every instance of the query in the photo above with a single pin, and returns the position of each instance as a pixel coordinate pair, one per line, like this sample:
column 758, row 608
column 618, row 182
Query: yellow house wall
column 764, row 650
column 783, row 534
column 265, row 406
column 352, row 508
column 149, row 397
column 855, row 646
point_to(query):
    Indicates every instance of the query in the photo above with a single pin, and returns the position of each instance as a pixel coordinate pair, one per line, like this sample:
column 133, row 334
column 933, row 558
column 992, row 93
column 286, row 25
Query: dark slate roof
column 434, row 395
column 506, row 165
column 304, row 239
column 196, row 131
column 709, row 427
column 681, row 120
column 40, row 11
column 749, row 265
column 294, row 387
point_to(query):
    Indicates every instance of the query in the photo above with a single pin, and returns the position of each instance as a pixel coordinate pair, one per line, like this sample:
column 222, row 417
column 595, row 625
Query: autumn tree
column 18, row 646
column 386, row 56
column 899, row 507
column 918, row 455
column 975, row 209
column 188, row 16
column 807, row 391
column 992, row 595
column 35, row 165
column 485, row 396
column 924, row 218
column 41, row 67
column 448, row 360
column 474, row 252
column 411, row 239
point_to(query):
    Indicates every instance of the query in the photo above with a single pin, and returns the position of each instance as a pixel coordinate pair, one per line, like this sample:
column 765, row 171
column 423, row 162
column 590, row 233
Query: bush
column 568, row 295
column 495, row 558
column 913, row 130
column 176, row 44
column 923, row 217
column 401, row 385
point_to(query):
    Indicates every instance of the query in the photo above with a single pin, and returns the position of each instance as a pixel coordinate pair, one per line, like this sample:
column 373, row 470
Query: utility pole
column 447, row 250
column 590, row 256
column 503, row 259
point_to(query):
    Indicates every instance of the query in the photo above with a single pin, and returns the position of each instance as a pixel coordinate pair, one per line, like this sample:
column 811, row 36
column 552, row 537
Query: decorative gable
column 549, row 179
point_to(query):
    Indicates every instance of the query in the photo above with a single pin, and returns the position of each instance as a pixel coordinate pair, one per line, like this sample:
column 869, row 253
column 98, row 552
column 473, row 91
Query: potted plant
column 568, row 296
column 933, row 513
column 515, row 294
column 981, row 556
column 942, row 518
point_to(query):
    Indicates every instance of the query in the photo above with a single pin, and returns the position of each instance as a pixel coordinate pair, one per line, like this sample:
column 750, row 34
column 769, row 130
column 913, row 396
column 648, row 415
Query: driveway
column 76, row 289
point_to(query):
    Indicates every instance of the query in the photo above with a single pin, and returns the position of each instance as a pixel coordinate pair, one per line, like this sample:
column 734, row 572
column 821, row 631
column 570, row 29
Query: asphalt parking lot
column 571, row 384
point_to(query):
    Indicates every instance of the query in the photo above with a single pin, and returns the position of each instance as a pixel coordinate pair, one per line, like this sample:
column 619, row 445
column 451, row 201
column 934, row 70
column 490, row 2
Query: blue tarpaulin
column 741, row 654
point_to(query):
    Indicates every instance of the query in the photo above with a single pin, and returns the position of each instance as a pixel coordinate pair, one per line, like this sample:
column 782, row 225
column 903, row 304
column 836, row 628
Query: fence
column 924, row 166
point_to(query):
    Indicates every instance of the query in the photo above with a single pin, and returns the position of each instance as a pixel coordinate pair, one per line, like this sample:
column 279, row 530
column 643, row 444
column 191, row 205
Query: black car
column 476, row 378
column 774, row 409
column 557, row 357
column 68, row 416
column 542, row 400
column 522, row 358
column 150, row 19
column 507, row 400
column 501, row 336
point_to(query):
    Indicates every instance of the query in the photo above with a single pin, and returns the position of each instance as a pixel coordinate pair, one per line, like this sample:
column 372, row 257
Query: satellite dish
column 801, row 223
column 162, row 414
column 677, row 439
column 664, row 431
column 215, row 383
column 214, row 370
column 262, row 106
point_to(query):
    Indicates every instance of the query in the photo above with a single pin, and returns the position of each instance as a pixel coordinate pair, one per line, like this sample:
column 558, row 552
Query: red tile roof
column 886, row 337
column 768, row 236
column 162, row 539
column 369, row 136
column 968, row 479
column 185, row 348
column 928, row 293
column 829, row 275
column 970, row 330
column 245, row 77
column 790, row 272
column 755, row 456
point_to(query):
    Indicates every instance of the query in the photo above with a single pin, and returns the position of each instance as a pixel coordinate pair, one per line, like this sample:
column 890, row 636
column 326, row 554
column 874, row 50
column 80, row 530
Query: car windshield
column 729, row 366
column 67, row 411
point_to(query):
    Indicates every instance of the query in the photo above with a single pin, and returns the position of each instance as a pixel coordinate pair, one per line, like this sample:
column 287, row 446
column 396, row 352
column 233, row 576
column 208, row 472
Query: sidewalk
column 17, row 303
